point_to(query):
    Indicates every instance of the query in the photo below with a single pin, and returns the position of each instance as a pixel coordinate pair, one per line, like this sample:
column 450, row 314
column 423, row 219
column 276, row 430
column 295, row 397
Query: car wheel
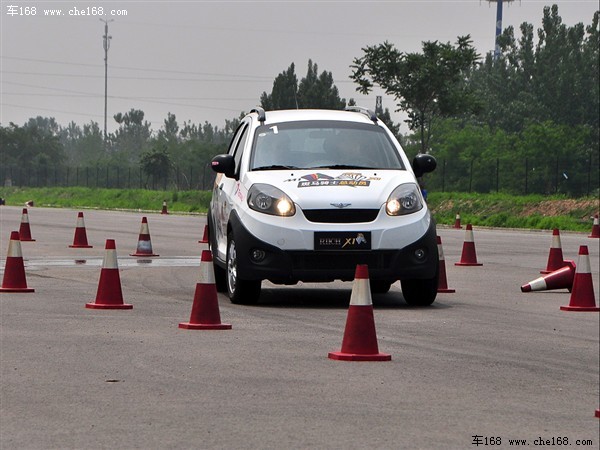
column 420, row 292
column 242, row 292
column 380, row 286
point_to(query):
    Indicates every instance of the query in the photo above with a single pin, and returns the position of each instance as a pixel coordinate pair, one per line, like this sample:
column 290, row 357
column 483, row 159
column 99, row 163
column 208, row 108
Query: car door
column 224, row 191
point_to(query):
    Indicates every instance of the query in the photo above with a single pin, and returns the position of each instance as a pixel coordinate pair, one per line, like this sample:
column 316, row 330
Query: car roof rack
column 261, row 114
column 367, row 112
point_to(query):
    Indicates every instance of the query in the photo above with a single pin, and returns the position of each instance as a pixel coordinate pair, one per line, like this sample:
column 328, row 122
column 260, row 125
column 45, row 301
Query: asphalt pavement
column 486, row 366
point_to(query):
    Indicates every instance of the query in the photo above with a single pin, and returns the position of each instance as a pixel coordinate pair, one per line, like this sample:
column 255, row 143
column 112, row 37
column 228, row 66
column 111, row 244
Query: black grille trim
column 341, row 215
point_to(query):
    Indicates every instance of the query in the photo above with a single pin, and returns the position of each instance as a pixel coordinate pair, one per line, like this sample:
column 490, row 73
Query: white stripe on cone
column 14, row 249
column 361, row 293
column 110, row 259
column 207, row 272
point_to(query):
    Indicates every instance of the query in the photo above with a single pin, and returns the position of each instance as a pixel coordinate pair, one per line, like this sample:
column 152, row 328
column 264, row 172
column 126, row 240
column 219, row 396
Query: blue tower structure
column 498, row 24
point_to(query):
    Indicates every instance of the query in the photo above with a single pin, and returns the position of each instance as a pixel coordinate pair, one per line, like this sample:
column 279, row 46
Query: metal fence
column 574, row 178
column 110, row 177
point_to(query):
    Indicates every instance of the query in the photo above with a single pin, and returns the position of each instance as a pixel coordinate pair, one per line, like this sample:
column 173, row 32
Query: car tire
column 380, row 286
column 220, row 272
column 240, row 291
column 420, row 292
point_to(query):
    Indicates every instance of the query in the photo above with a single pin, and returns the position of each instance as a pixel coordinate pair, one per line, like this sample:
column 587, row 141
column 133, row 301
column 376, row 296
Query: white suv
column 306, row 195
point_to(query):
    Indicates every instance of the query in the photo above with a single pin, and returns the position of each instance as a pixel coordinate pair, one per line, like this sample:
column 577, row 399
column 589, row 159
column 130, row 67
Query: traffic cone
column 457, row 224
column 109, row 294
column 442, row 282
column 204, row 239
column 360, row 339
column 24, row 229
column 205, row 309
column 469, row 255
column 559, row 279
column 14, row 270
column 595, row 228
column 555, row 257
column 80, row 238
column 164, row 208
column 582, row 294
column 144, row 247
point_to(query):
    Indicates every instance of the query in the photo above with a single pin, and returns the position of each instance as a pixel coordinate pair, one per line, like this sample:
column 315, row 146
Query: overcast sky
column 210, row 60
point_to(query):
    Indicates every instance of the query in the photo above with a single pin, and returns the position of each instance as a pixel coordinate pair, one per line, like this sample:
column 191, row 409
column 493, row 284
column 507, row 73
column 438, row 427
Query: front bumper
column 290, row 266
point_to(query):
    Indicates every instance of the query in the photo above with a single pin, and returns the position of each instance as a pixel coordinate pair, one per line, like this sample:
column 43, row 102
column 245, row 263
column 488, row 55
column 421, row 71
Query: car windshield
column 323, row 144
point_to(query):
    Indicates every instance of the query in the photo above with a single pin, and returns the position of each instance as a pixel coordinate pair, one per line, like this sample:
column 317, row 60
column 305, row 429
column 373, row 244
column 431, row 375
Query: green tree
column 427, row 86
column 318, row 91
column 132, row 138
column 313, row 91
column 156, row 163
column 284, row 92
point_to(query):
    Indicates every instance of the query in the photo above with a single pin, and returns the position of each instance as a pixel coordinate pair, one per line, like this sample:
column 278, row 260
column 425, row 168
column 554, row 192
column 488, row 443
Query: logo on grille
column 340, row 205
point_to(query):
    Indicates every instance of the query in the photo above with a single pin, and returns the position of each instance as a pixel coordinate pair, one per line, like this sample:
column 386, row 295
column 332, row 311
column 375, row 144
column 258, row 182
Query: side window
column 233, row 144
column 239, row 147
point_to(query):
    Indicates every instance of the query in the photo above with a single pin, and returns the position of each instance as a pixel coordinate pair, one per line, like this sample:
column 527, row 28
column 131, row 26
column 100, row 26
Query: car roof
column 296, row 115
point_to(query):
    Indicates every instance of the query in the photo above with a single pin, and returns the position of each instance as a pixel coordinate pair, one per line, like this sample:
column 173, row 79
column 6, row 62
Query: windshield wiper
column 275, row 167
column 341, row 166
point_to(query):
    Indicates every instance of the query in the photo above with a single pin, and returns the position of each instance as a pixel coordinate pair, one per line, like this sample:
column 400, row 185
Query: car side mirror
column 423, row 163
column 224, row 164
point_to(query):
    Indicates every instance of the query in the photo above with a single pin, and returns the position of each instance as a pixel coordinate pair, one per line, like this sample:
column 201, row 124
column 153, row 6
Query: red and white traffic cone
column 14, row 270
column 204, row 239
column 205, row 309
column 595, row 228
column 582, row 294
column 144, row 246
column 555, row 257
column 164, row 208
column 80, row 238
column 559, row 279
column 360, row 338
column 469, row 255
column 442, row 282
column 457, row 224
column 109, row 294
column 24, row 228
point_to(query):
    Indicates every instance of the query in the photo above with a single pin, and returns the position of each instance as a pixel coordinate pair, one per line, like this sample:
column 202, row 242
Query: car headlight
column 268, row 199
column 405, row 199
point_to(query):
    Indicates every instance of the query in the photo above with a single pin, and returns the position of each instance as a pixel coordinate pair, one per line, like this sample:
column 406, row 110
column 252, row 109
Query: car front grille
column 341, row 215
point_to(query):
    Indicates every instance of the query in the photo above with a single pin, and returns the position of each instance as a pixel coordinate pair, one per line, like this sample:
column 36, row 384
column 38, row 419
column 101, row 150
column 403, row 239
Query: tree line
column 532, row 110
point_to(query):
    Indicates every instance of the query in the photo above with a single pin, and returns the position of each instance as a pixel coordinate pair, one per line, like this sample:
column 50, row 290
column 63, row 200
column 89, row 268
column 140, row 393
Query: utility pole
column 106, row 45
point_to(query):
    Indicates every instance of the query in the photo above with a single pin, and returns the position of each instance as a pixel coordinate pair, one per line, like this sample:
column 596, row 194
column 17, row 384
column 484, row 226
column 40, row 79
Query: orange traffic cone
column 205, row 309
column 442, row 282
column 14, row 271
column 555, row 257
column 109, row 294
column 360, row 338
column 595, row 228
column 144, row 247
column 457, row 224
column 80, row 238
column 24, row 229
column 559, row 279
column 469, row 255
column 582, row 294
column 164, row 208
column 204, row 239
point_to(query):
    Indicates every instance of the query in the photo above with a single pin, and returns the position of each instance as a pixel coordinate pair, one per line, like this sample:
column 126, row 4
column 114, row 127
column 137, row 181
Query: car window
column 238, row 147
column 322, row 144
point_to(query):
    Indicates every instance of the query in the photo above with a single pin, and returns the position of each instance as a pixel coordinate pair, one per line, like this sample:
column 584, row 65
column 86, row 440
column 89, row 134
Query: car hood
column 322, row 189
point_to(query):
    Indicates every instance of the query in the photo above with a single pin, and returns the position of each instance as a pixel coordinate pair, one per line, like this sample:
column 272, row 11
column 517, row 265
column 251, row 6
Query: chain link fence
column 573, row 178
